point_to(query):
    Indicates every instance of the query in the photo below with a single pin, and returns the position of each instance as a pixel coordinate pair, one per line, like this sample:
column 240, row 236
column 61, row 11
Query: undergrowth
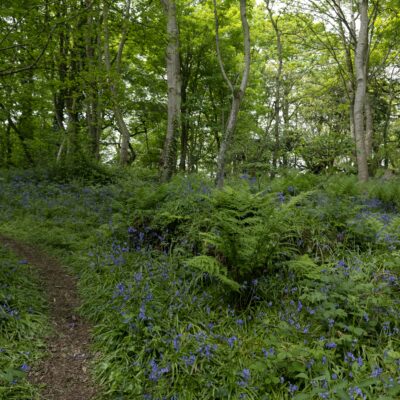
column 266, row 290
column 22, row 327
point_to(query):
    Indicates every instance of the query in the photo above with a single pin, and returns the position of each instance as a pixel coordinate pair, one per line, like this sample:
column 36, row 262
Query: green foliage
column 22, row 327
column 243, row 235
column 210, row 266
column 320, row 322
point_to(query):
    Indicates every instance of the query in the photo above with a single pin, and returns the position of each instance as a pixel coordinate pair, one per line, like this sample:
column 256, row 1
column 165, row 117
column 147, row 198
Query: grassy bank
column 23, row 325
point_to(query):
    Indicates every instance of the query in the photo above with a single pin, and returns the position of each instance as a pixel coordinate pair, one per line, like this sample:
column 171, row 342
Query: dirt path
column 65, row 371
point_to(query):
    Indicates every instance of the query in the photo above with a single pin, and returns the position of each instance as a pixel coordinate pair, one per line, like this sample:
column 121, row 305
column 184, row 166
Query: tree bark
column 168, row 159
column 8, row 148
column 278, row 80
column 184, row 119
column 21, row 137
column 237, row 93
column 361, row 90
column 93, row 102
column 386, row 132
column 119, row 118
column 369, row 126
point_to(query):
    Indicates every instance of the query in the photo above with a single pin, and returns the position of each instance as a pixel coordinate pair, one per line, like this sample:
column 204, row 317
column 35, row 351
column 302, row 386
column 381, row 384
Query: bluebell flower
column 138, row 276
column 25, row 367
column 176, row 342
column 245, row 375
column 341, row 263
column 291, row 189
column 189, row 360
column 331, row 345
column 356, row 391
column 376, row 372
column 299, row 306
column 231, row 341
column 293, row 388
column 349, row 357
column 156, row 373
column 142, row 313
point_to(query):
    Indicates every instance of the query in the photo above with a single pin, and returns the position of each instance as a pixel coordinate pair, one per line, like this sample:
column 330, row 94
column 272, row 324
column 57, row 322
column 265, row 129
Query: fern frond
column 209, row 265
column 305, row 266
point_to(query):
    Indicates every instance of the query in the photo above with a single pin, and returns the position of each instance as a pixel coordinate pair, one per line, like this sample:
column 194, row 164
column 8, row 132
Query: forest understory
column 268, row 289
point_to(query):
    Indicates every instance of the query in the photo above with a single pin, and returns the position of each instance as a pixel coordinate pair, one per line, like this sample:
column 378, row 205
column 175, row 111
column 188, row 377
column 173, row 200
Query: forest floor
column 273, row 290
column 64, row 373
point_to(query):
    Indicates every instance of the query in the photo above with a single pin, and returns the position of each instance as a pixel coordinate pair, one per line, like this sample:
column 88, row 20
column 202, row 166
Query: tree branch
column 221, row 64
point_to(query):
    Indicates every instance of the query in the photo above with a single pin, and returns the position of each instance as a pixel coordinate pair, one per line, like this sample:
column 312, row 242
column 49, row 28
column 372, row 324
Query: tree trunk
column 168, row 160
column 237, row 93
column 185, row 124
column 386, row 132
column 21, row 137
column 119, row 118
column 60, row 61
column 92, row 83
column 278, row 80
column 8, row 148
column 227, row 138
column 361, row 89
column 369, row 126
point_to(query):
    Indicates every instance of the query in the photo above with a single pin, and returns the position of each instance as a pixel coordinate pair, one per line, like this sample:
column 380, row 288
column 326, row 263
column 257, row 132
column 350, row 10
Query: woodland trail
column 65, row 372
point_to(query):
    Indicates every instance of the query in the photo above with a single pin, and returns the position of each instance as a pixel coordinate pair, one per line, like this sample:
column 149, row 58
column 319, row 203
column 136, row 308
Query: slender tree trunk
column 369, row 126
column 92, row 82
column 226, row 141
column 7, row 146
column 60, row 61
column 287, row 140
column 73, row 146
column 386, row 132
column 74, row 93
column 237, row 93
column 349, row 43
column 21, row 137
column 361, row 90
column 168, row 159
column 278, row 81
column 119, row 118
column 185, row 125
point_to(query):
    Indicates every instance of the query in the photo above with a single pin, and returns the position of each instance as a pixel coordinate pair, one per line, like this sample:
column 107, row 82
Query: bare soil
column 65, row 373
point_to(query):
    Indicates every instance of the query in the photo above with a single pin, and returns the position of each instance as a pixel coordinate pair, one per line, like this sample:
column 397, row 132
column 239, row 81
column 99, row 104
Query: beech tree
column 236, row 92
column 361, row 60
column 114, row 74
column 168, row 160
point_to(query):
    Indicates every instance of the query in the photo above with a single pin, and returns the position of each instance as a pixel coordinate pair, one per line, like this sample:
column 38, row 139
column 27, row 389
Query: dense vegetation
column 268, row 267
column 84, row 81
column 22, row 325
column 274, row 289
